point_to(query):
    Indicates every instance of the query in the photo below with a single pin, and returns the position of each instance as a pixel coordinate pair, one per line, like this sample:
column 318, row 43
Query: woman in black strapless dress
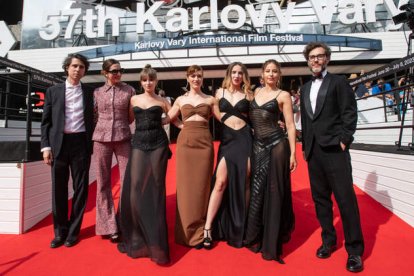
column 142, row 207
column 270, row 217
column 229, row 197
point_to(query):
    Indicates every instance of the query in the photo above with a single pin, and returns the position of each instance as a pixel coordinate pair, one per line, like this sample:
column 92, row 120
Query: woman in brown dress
column 194, row 159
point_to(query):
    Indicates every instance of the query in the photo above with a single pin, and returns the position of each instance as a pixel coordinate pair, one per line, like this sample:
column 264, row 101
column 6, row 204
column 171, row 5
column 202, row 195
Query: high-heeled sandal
column 114, row 237
column 207, row 241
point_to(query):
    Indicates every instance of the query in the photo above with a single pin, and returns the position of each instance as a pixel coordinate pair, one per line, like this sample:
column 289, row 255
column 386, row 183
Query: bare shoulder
column 214, row 100
column 256, row 91
column 134, row 100
column 219, row 93
column 165, row 101
column 179, row 100
column 249, row 95
column 208, row 99
column 284, row 96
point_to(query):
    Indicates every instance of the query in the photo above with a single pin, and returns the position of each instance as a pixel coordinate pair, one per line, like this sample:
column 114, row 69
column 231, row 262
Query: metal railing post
column 28, row 117
column 6, row 105
column 385, row 107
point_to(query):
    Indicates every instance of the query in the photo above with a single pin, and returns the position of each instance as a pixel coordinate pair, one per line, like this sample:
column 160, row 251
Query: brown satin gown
column 194, row 171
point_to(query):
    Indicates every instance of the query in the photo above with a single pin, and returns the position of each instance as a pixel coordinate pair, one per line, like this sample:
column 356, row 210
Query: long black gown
column 235, row 148
column 142, row 207
column 270, row 217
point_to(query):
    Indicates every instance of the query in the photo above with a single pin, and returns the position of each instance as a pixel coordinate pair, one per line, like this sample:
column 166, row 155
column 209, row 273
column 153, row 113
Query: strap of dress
column 280, row 91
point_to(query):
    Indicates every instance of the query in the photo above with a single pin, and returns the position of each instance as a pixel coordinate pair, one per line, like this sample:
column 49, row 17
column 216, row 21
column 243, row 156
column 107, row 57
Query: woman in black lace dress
column 270, row 217
column 143, row 220
column 229, row 198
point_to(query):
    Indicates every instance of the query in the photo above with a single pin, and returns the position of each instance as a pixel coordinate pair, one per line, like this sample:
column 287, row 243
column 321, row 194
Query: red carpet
column 389, row 246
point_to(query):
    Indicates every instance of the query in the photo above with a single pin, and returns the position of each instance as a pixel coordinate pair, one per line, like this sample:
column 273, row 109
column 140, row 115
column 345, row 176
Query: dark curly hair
column 68, row 60
column 316, row 44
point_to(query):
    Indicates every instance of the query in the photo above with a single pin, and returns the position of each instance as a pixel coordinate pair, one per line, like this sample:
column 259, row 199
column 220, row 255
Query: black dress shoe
column 71, row 242
column 325, row 251
column 354, row 263
column 56, row 242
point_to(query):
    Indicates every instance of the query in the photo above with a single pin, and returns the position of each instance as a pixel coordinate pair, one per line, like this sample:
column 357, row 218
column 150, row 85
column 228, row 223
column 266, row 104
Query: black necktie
column 320, row 77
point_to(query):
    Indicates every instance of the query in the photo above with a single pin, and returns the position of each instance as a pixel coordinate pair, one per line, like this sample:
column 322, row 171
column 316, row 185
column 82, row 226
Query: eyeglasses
column 318, row 57
column 117, row 71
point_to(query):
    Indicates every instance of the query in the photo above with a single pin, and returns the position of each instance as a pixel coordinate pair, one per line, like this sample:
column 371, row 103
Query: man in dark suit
column 329, row 117
column 66, row 142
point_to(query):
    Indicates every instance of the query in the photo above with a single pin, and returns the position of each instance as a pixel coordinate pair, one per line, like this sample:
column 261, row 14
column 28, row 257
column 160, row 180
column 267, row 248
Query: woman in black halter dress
column 229, row 197
column 142, row 208
column 270, row 217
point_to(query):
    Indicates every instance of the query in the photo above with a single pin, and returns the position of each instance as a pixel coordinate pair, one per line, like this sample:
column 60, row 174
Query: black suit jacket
column 53, row 119
column 335, row 116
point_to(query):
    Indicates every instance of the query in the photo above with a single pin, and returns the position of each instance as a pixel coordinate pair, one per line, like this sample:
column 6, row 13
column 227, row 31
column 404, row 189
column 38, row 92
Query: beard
column 318, row 70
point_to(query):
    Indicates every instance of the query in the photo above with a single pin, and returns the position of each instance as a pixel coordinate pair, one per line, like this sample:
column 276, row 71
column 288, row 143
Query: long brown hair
column 275, row 62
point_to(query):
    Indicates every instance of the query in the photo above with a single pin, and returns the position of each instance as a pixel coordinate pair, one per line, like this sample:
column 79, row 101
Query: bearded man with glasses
column 329, row 118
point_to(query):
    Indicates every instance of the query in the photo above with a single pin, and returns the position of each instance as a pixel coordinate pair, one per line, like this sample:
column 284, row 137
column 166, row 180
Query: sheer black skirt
column 270, row 218
column 142, row 207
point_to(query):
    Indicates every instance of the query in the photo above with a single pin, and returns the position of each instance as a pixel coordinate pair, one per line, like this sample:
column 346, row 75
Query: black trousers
column 75, row 159
column 330, row 171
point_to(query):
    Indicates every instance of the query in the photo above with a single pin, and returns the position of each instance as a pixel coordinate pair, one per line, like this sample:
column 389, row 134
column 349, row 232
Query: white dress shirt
column 73, row 109
column 316, row 85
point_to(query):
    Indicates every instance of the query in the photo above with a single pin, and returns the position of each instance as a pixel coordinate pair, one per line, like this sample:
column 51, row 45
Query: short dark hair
column 67, row 61
column 106, row 65
column 316, row 44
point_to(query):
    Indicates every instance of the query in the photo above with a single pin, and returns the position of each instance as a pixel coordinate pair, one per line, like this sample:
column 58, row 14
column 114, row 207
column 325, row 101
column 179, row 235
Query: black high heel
column 207, row 241
column 114, row 237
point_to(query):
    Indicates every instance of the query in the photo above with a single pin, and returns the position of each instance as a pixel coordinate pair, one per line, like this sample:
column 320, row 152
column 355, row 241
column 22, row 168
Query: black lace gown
column 270, row 217
column 235, row 147
column 142, row 206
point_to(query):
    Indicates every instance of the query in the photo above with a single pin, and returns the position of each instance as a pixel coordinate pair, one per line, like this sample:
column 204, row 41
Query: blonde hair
column 246, row 79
